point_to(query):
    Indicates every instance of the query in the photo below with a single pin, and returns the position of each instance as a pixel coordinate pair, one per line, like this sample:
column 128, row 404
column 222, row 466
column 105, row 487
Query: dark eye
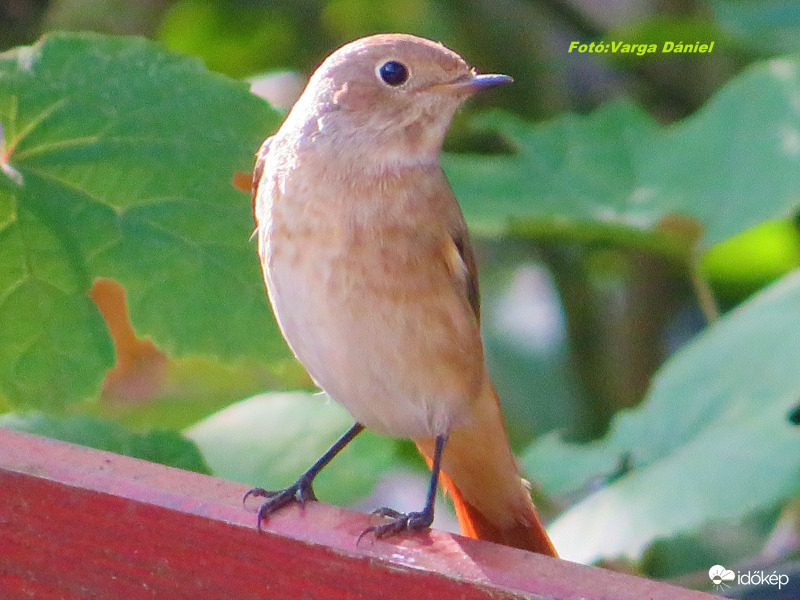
column 393, row 73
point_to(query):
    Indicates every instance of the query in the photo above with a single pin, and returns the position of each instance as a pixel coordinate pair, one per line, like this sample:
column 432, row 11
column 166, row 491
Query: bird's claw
column 388, row 513
column 300, row 491
column 400, row 522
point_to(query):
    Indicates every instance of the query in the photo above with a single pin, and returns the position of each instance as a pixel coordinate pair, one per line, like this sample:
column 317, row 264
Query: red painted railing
column 77, row 523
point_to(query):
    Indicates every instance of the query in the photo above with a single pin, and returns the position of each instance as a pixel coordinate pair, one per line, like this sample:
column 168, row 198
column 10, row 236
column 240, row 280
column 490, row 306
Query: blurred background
column 574, row 331
column 589, row 324
column 525, row 38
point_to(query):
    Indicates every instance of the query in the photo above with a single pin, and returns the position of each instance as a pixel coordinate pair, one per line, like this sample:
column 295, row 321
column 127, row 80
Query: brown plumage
column 372, row 278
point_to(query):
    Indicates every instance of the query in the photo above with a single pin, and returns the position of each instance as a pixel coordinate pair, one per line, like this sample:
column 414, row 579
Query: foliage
column 268, row 440
column 118, row 159
column 710, row 167
column 117, row 162
column 711, row 444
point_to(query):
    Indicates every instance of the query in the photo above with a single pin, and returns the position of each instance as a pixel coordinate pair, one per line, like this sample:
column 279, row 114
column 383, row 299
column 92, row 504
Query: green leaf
column 767, row 25
column 117, row 161
column 164, row 447
column 271, row 439
column 570, row 169
column 736, row 162
column 711, row 443
column 614, row 174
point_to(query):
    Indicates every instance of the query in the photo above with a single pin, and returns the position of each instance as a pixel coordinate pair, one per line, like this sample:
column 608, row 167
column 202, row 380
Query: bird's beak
column 473, row 83
column 482, row 82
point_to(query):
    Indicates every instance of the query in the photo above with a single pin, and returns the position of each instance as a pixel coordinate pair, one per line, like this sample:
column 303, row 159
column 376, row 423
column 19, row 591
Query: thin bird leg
column 414, row 520
column 301, row 490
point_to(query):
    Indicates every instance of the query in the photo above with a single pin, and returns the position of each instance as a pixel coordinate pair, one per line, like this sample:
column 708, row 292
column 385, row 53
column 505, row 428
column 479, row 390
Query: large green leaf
column 615, row 174
column 571, row 169
column 117, row 161
column 269, row 440
column 711, row 443
column 735, row 163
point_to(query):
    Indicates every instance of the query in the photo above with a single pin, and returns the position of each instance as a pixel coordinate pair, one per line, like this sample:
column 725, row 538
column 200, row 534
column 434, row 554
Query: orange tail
column 479, row 471
column 529, row 534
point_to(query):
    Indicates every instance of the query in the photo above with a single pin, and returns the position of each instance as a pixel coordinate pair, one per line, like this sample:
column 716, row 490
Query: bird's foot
column 399, row 523
column 301, row 491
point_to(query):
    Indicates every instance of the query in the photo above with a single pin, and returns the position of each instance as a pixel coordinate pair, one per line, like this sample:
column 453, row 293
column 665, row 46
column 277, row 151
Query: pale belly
column 381, row 328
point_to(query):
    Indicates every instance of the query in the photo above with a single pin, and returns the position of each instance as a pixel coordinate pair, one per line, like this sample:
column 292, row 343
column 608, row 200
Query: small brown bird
column 371, row 275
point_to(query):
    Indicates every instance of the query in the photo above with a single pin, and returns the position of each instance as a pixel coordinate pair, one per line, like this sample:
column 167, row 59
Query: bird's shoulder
column 258, row 172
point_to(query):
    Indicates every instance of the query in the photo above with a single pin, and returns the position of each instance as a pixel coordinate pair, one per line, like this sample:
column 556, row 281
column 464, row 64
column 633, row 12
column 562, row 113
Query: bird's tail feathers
column 481, row 474
column 528, row 534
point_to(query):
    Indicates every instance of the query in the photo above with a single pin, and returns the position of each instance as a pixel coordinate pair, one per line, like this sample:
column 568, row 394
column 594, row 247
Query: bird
column 372, row 278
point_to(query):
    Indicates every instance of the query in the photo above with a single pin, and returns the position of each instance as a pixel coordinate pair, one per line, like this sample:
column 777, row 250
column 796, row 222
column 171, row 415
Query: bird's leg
column 301, row 490
column 414, row 520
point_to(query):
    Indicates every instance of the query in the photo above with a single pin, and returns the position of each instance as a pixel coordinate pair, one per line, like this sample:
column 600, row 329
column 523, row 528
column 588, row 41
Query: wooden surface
column 77, row 523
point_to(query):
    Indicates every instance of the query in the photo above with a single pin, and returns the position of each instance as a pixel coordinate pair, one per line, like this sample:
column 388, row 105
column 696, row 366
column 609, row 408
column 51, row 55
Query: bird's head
column 387, row 97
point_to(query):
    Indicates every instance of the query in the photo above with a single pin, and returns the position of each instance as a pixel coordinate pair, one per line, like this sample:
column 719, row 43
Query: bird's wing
column 461, row 261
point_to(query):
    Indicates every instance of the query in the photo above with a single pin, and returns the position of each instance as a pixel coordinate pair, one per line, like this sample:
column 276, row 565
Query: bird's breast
column 365, row 297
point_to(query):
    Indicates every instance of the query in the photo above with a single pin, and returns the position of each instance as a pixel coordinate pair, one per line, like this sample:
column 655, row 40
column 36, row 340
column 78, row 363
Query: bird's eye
column 393, row 73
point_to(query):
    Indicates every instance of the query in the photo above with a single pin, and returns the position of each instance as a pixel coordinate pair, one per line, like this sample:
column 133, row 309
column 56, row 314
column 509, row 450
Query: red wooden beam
column 80, row 523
